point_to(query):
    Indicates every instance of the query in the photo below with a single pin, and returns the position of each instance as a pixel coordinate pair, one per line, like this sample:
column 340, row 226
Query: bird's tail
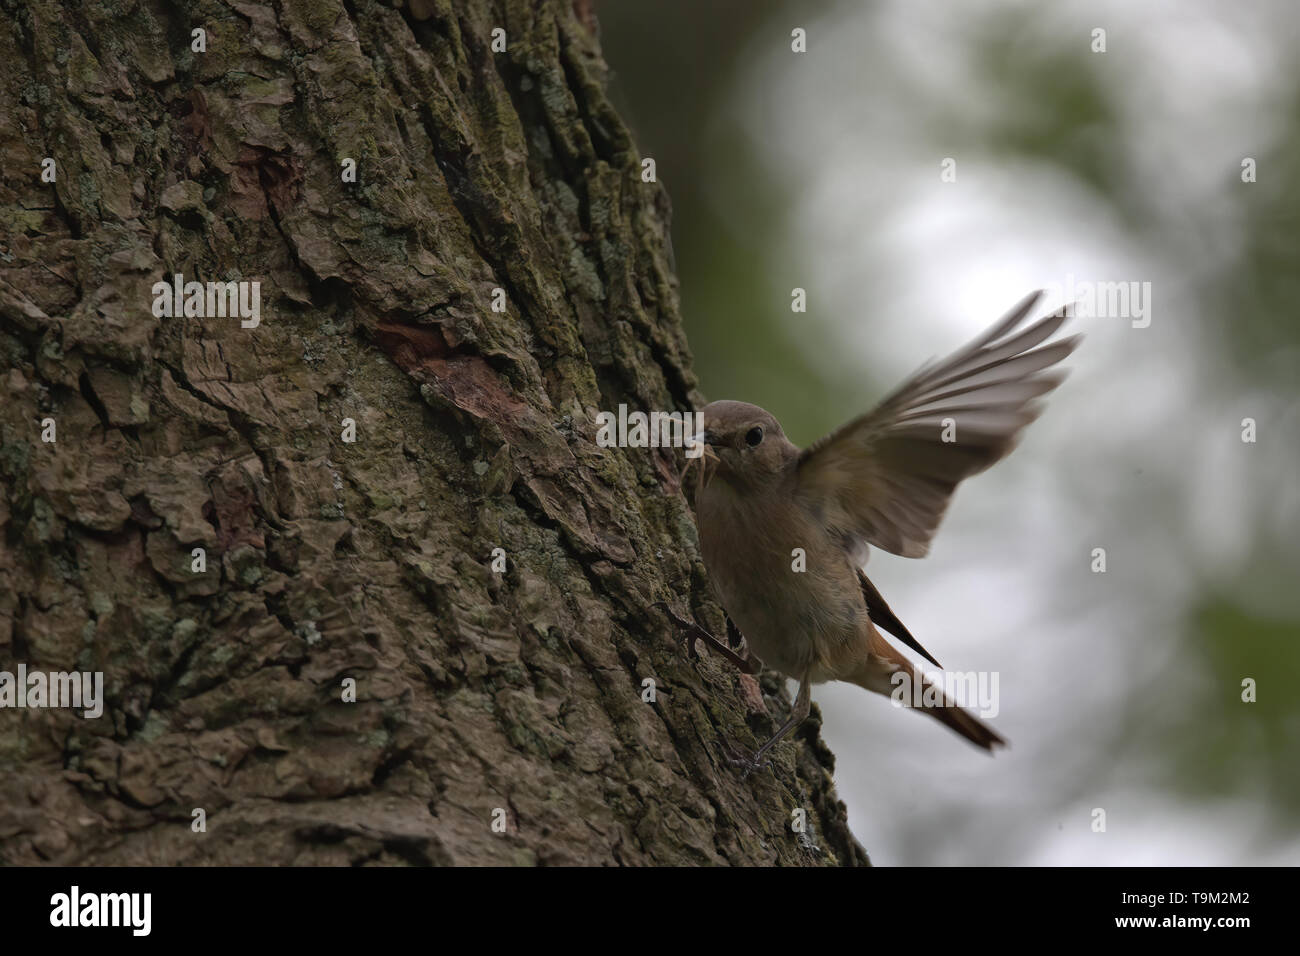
column 877, row 674
column 968, row 725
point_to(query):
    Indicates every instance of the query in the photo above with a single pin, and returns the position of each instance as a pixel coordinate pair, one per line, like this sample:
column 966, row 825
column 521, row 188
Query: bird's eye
column 754, row 436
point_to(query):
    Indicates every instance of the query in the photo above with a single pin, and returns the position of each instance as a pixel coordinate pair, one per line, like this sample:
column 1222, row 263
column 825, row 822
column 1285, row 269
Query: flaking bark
column 521, row 691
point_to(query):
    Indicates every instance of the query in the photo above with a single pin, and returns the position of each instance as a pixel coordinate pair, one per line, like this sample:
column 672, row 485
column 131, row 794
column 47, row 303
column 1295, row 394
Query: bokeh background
column 1120, row 690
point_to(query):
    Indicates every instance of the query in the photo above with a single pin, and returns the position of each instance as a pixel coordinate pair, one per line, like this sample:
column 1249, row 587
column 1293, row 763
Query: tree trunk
column 485, row 700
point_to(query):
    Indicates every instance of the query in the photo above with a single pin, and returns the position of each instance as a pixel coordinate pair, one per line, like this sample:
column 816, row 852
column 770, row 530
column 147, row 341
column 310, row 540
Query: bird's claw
column 688, row 635
column 691, row 634
column 745, row 761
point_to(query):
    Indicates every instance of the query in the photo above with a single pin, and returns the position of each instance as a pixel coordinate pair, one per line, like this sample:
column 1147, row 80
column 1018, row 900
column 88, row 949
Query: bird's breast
column 790, row 589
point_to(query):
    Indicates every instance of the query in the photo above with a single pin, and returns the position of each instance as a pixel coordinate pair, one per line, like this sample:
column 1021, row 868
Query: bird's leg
column 692, row 632
column 802, row 705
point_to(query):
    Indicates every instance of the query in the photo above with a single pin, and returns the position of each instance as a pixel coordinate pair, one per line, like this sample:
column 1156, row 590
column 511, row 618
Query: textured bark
column 369, row 560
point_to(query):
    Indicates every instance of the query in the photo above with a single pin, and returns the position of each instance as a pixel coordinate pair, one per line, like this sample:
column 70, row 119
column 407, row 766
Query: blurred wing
column 886, row 478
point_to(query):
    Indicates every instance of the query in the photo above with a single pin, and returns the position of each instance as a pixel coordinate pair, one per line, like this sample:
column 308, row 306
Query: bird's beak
column 710, row 439
column 698, row 444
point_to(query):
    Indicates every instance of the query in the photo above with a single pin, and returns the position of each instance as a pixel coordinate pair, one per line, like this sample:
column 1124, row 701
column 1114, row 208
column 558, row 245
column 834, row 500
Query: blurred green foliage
column 1236, row 640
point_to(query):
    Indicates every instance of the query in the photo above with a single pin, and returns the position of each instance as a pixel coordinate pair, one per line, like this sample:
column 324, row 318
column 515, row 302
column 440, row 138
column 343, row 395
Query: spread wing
column 886, row 478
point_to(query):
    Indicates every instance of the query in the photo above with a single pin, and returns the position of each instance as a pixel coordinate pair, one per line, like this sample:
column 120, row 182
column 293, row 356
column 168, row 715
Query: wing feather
column 887, row 477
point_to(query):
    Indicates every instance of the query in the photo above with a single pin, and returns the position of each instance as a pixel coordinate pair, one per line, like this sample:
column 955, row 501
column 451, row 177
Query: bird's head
column 745, row 446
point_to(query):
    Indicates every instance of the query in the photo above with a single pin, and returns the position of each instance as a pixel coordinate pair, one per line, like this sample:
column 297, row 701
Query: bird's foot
column 746, row 761
column 688, row 632
column 691, row 633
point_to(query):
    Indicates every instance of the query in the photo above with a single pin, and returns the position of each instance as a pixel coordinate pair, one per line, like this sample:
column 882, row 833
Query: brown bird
column 884, row 479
